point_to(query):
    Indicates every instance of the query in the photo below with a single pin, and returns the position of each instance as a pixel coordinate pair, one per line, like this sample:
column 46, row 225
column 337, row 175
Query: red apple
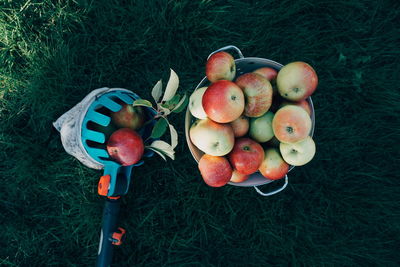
column 273, row 166
column 291, row 124
column 303, row 103
column 129, row 117
column 268, row 73
column 238, row 177
column 258, row 93
column 223, row 101
column 125, row 146
column 220, row 66
column 216, row 171
column 246, row 155
column 297, row 81
column 240, row 126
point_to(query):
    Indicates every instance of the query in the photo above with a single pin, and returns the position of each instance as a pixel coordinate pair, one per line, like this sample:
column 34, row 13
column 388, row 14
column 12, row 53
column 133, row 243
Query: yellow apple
column 195, row 103
column 212, row 138
column 300, row 153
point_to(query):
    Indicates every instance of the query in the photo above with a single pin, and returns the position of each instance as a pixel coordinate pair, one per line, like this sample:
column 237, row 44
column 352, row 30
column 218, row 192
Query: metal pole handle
column 273, row 192
column 227, row 48
column 109, row 226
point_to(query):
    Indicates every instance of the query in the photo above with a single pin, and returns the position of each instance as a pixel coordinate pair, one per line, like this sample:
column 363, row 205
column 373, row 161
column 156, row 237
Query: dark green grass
column 341, row 209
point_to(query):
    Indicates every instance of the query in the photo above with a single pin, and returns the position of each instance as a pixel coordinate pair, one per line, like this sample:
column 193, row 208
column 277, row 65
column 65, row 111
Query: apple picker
column 85, row 134
column 81, row 140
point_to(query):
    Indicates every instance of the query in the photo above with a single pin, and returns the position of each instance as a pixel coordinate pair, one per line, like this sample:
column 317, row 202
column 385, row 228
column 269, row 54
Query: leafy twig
column 171, row 102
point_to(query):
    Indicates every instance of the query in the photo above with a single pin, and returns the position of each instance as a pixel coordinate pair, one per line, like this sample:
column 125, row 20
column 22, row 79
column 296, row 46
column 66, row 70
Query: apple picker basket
column 244, row 65
column 81, row 140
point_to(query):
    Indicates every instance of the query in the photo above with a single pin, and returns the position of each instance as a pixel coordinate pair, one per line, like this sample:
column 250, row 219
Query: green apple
column 212, row 138
column 195, row 103
column 261, row 127
column 299, row 153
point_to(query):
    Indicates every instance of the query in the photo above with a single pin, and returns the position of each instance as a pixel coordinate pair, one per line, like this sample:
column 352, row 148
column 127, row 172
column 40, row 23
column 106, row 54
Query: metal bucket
column 244, row 65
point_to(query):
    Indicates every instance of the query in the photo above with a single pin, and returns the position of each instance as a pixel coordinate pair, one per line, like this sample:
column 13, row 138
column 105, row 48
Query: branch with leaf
column 170, row 103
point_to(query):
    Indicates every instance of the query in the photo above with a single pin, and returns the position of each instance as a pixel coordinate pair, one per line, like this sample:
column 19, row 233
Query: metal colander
column 244, row 65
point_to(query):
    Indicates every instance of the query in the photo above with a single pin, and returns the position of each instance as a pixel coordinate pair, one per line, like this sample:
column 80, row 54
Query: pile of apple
column 259, row 122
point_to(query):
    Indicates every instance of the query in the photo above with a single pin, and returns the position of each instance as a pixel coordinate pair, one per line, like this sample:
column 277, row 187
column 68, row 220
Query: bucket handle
column 273, row 192
column 225, row 48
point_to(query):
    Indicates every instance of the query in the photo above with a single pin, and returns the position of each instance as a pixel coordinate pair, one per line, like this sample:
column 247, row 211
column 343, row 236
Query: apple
column 291, row 124
column 212, row 138
column 223, row 101
column 195, row 103
column 297, row 81
column 273, row 166
column 303, row 103
column 129, row 117
column 125, row 146
column 268, row 73
column 240, row 126
column 220, row 66
column 261, row 127
column 246, row 155
column 216, row 171
column 300, row 153
column 238, row 177
column 258, row 93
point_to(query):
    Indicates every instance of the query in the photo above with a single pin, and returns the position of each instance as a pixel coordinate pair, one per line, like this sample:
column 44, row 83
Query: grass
column 341, row 209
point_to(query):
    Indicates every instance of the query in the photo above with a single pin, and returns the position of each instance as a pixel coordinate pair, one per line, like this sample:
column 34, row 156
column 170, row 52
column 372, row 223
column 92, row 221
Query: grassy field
column 342, row 209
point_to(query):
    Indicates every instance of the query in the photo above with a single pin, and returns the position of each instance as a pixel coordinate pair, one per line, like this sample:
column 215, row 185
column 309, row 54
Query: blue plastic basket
column 120, row 176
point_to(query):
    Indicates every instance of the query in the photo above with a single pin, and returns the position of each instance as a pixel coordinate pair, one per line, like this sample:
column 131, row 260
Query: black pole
column 109, row 226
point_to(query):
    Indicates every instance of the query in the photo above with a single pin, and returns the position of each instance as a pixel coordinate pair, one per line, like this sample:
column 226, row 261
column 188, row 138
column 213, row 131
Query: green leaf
column 159, row 128
column 182, row 104
column 158, row 152
column 171, row 103
column 172, row 86
column 142, row 102
column 174, row 136
column 164, row 111
column 163, row 147
column 157, row 91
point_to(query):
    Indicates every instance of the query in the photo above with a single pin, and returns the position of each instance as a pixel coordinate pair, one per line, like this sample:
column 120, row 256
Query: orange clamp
column 104, row 184
column 117, row 236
